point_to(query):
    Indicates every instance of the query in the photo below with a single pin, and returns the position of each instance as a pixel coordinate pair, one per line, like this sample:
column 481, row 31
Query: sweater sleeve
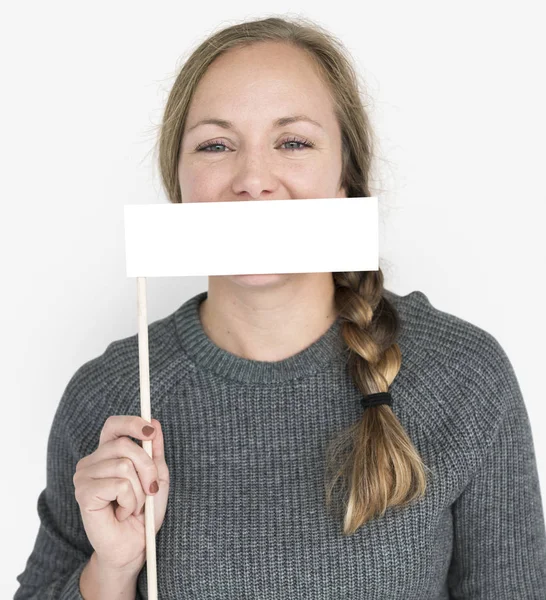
column 62, row 549
column 499, row 545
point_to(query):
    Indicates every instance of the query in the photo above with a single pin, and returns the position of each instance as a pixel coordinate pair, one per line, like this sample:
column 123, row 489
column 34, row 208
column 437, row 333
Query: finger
column 146, row 469
column 117, row 426
column 158, row 447
column 96, row 494
column 158, row 453
column 122, row 468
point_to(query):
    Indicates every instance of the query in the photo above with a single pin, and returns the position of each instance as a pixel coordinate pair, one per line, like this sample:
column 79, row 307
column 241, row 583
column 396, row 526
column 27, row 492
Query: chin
column 255, row 279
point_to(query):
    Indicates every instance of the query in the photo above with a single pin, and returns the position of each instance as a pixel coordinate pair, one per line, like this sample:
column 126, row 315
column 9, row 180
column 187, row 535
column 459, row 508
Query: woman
column 278, row 475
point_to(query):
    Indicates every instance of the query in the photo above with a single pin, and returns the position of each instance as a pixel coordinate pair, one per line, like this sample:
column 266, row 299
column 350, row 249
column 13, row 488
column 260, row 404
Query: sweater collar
column 329, row 349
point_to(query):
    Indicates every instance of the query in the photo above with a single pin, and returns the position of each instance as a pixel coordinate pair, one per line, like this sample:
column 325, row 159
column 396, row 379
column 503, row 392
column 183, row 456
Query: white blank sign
column 251, row 237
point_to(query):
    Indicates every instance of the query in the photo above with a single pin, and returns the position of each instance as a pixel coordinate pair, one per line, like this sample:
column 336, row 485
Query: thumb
column 158, row 444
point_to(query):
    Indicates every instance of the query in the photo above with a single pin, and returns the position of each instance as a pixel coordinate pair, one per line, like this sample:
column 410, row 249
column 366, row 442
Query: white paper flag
column 251, row 237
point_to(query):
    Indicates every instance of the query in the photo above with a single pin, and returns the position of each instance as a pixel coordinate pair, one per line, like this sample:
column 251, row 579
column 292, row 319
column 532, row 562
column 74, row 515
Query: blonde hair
column 374, row 460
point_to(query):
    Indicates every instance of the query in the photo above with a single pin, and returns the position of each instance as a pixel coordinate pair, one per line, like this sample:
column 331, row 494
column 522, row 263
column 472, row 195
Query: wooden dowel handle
column 146, row 413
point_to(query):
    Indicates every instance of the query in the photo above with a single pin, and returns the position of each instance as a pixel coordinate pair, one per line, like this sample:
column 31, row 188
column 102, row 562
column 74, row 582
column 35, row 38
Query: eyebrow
column 278, row 123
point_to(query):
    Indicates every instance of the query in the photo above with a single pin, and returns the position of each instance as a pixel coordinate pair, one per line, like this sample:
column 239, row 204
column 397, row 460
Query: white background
column 458, row 96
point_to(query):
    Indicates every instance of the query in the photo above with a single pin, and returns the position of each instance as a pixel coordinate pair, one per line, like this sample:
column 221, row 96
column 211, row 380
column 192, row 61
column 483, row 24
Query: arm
column 98, row 584
column 62, row 553
column 499, row 545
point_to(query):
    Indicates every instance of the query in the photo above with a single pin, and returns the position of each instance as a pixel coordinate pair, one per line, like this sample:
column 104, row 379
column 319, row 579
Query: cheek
column 309, row 180
column 199, row 182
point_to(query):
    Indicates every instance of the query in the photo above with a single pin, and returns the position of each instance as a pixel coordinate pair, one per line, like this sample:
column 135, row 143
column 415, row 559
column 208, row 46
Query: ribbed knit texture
column 245, row 444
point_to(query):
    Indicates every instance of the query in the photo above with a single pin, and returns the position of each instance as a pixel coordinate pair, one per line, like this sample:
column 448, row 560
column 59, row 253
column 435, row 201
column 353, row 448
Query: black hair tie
column 375, row 399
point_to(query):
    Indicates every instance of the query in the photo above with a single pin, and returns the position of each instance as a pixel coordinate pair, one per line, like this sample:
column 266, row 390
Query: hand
column 111, row 487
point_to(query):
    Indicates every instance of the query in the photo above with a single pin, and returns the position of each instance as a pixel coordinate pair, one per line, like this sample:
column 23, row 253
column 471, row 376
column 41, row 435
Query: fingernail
column 147, row 430
column 154, row 488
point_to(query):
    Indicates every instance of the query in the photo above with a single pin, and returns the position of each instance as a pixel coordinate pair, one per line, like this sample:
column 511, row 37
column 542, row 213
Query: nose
column 254, row 176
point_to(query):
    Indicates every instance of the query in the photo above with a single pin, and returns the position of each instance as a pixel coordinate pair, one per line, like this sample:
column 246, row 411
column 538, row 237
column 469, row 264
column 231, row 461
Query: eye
column 303, row 142
column 210, row 145
column 215, row 144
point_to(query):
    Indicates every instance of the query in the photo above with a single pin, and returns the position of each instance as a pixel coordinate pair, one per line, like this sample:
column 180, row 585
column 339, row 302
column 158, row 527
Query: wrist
column 126, row 572
column 104, row 582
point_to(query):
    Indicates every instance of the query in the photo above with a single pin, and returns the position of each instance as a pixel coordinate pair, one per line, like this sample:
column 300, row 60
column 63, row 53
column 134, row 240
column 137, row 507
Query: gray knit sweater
column 245, row 444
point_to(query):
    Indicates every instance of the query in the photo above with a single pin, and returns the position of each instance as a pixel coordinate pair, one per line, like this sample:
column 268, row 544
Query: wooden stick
column 146, row 413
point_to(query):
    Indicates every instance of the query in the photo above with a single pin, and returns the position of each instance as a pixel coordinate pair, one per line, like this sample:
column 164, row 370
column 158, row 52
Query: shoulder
column 118, row 364
column 109, row 383
column 456, row 379
column 443, row 334
column 428, row 333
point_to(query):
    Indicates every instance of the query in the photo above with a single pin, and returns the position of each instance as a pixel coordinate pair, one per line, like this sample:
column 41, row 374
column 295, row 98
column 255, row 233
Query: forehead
column 264, row 78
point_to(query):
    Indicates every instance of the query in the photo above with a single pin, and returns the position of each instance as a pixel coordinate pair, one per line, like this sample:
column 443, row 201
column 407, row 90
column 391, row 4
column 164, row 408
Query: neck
column 268, row 317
